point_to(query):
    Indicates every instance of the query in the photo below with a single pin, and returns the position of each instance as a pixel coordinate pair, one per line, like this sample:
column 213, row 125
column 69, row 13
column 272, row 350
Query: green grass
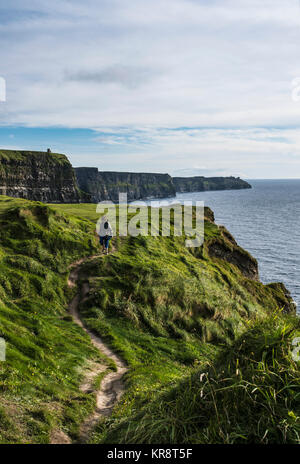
column 248, row 394
column 171, row 312
column 21, row 155
column 46, row 351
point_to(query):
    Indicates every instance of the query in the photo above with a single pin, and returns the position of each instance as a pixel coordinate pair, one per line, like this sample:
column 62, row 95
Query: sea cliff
column 200, row 183
column 206, row 344
column 41, row 176
column 50, row 178
column 107, row 185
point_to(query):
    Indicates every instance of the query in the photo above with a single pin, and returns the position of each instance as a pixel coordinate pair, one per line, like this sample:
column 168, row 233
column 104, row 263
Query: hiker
column 105, row 233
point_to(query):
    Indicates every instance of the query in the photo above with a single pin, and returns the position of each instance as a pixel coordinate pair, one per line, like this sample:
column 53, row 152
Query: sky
column 188, row 87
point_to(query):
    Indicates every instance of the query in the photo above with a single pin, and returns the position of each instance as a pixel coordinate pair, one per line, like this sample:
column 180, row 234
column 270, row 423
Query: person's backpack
column 106, row 225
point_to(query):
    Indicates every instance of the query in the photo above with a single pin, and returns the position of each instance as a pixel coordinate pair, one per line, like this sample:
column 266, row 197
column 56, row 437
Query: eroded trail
column 112, row 386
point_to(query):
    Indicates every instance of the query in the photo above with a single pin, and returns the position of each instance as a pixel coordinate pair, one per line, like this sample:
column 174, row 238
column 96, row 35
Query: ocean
column 265, row 220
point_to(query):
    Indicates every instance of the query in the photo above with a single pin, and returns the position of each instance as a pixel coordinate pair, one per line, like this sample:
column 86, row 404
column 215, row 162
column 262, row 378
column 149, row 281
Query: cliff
column 107, row 185
column 193, row 324
column 201, row 184
column 50, row 178
column 47, row 177
column 208, row 346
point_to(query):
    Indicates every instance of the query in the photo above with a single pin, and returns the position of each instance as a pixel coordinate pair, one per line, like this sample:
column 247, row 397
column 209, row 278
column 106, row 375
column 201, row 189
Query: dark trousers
column 104, row 241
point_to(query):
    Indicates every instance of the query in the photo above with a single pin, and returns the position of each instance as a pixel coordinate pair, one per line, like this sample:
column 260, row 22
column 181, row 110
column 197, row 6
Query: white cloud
column 243, row 152
column 157, row 65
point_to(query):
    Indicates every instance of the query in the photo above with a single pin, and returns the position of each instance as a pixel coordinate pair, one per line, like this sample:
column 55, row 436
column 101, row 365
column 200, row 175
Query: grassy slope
column 82, row 210
column 170, row 311
column 45, row 349
column 174, row 313
column 249, row 393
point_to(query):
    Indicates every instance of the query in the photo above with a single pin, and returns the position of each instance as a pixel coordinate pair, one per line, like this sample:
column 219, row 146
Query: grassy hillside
column 81, row 210
column 175, row 313
column 247, row 393
column 172, row 312
column 45, row 349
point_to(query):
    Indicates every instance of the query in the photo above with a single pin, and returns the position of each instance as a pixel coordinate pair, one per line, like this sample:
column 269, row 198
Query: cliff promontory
column 40, row 176
column 201, row 184
column 107, row 185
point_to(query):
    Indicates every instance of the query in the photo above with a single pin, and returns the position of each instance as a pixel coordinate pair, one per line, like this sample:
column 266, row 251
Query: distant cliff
column 47, row 177
column 200, row 184
column 107, row 185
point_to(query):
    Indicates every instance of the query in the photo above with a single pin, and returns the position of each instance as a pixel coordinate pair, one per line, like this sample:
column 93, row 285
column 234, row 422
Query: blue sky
column 179, row 86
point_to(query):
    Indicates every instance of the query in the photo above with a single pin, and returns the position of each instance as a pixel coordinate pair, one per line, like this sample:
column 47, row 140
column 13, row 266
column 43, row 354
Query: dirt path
column 112, row 385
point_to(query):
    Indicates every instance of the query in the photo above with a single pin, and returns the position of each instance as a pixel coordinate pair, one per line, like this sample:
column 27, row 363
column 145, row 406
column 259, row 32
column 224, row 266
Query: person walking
column 105, row 233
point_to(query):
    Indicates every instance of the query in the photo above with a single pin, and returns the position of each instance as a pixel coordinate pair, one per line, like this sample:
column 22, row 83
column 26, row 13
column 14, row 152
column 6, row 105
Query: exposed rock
column 209, row 214
column 225, row 248
column 39, row 176
column 235, row 255
column 283, row 297
column 228, row 250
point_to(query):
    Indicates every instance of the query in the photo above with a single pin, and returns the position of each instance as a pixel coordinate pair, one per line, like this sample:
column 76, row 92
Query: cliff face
column 200, row 183
column 40, row 176
column 107, row 185
column 50, row 178
column 224, row 247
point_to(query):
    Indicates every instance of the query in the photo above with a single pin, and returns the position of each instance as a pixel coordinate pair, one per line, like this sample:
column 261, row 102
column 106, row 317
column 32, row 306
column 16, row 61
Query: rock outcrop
column 226, row 248
column 201, row 184
column 107, row 185
column 40, row 176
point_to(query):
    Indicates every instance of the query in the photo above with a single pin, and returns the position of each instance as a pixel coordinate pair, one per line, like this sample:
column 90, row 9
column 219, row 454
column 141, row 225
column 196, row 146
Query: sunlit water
column 264, row 220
